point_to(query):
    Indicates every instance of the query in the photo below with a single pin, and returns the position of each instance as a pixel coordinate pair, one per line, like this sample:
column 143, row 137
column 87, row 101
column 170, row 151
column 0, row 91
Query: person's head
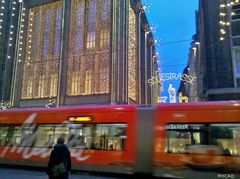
column 60, row 140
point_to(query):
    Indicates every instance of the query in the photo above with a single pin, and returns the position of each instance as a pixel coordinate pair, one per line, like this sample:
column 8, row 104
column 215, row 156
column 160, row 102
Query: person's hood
column 60, row 147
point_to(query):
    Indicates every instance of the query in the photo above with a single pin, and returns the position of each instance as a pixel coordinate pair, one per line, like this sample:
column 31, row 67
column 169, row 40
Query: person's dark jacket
column 58, row 154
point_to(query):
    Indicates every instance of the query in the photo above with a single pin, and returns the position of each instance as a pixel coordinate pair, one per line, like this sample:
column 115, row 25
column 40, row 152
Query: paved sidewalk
column 7, row 173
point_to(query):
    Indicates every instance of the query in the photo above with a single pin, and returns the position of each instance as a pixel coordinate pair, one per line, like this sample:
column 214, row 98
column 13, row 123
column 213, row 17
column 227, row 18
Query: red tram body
column 176, row 139
column 191, row 138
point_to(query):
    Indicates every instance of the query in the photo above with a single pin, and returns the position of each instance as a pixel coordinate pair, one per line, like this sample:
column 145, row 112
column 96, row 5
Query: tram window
column 44, row 135
column 3, row 135
column 226, row 137
column 180, row 136
column 97, row 136
column 14, row 136
column 21, row 135
column 110, row 136
column 60, row 130
column 28, row 135
column 78, row 135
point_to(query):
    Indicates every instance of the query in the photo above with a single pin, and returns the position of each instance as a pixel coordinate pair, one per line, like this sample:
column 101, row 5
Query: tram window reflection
column 226, row 137
column 181, row 136
column 44, row 135
column 97, row 136
column 3, row 135
column 60, row 130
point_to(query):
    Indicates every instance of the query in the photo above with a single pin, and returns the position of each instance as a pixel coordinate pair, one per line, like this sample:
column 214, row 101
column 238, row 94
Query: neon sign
column 155, row 80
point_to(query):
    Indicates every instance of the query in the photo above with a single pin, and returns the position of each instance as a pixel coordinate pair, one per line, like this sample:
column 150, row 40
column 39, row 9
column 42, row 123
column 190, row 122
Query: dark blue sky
column 175, row 20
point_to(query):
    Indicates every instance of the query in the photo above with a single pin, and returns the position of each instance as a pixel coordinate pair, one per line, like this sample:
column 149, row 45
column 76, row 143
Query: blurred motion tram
column 177, row 140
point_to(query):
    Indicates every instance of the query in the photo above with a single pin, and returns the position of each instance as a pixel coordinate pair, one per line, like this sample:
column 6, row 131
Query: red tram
column 176, row 139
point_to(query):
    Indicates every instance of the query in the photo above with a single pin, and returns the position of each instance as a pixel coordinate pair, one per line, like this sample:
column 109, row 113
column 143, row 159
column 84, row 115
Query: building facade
column 71, row 52
column 217, row 50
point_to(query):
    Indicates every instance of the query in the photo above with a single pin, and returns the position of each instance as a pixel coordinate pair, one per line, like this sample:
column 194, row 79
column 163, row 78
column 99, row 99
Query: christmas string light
column 143, row 7
column 132, row 58
column 22, row 12
column 222, row 20
column 29, row 39
column 226, row 14
column 2, row 7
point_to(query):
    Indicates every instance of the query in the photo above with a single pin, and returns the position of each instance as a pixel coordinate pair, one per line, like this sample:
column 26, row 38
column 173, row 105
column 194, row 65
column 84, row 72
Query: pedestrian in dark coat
column 59, row 154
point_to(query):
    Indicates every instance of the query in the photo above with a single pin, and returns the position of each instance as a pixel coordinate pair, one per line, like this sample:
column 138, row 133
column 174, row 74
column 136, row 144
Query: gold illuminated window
column 91, row 40
column 53, row 85
column 41, row 85
column 104, row 38
column 75, row 83
column 88, row 80
column 29, row 88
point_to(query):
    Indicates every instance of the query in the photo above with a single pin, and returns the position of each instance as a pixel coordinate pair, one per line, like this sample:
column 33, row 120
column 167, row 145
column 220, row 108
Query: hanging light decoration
column 1, row 15
column 29, row 39
column 143, row 7
column 4, row 105
column 225, row 16
column 222, row 21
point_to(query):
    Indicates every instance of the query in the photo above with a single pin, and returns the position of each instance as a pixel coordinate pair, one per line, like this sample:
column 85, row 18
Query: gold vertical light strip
column 104, row 48
column 132, row 55
column 42, row 51
column 89, row 47
column 222, row 16
column 27, row 80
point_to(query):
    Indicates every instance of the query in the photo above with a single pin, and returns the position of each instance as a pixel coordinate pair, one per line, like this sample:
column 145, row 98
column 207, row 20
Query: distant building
column 80, row 52
column 217, row 51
